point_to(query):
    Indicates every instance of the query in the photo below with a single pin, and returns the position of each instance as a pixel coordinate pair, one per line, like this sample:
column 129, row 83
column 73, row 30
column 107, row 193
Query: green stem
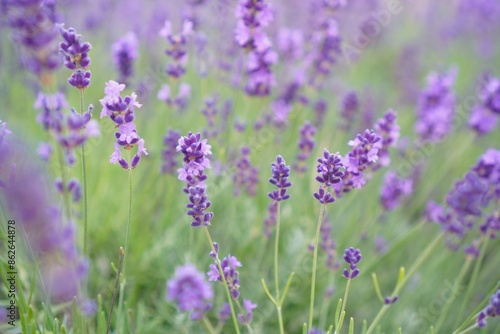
column 315, row 260
column 344, row 302
column 276, row 276
column 115, row 291
column 420, row 260
column 470, row 329
column 208, row 325
column 456, row 286
column 221, row 273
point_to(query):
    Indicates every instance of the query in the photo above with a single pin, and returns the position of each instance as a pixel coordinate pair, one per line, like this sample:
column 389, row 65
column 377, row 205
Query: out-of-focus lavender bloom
column 280, row 173
column 350, row 107
column 44, row 151
column 246, row 176
column 484, row 116
column 394, row 190
column 270, row 221
column 252, row 17
column 246, row 318
column 352, row 257
column 491, row 225
column 490, row 311
column 169, row 163
column 387, row 128
column 33, row 28
column 3, row 131
column 190, row 291
column 328, row 245
column 320, row 109
column 177, row 48
column 72, row 187
column 224, row 312
column 306, row 145
column 468, row 195
column 315, row 331
column 50, row 239
column 329, row 174
column 121, row 111
column 210, row 111
column 124, row 52
column 239, row 125
column 436, row 107
column 290, row 43
column 231, row 274
column 179, row 101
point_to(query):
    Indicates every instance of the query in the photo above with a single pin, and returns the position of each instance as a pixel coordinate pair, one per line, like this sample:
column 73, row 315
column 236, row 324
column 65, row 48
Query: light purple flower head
column 229, row 267
column 394, row 190
column 125, row 52
column 352, row 257
column 246, row 318
column 190, row 291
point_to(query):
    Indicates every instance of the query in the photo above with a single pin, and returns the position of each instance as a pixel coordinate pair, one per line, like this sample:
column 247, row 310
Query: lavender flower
column 121, row 112
column 189, row 290
column 246, row 318
column 320, row 109
column 315, row 330
column 33, row 28
column 3, row 131
column 124, row 53
column 252, row 17
column 246, row 176
column 394, row 190
column 350, row 107
column 177, row 48
column 329, row 170
column 484, row 116
column 270, row 221
column 352, row 257
column 436, row 107
column 180, row 101
column 169, row 164
column 280, row 173
column 224, row 312
column 229, row 265
column 388, row 129
column 306, row 145
column 490, row 311
column 76, row 57
column 290, row 43
column 195, row 160
column 328, row 245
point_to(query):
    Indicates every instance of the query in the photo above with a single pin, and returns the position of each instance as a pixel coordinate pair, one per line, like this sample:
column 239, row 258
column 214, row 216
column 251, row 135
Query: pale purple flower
column 246, row 176
column 306, row 145
column 246, row 318
column 394, row 190
column 169, row 163
column 229, row 268
column 125, row 52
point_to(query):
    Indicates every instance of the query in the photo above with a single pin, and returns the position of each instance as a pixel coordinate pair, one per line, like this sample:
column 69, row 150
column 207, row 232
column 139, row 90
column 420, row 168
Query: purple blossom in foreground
column 280, row 173
column 350, row 107
column 50, row 238
column 352, row 257
column 124, row 52
column 253, row 16
column 246, row 176
column 490, row 311
column 177, row 48
column 394, row 190
column 231, row 274
column 121, row 111
column 484, row 116
column 246, row 318
column 169, row 153
column 306, row 145
column 190, row 291
column 436, row 107
column 329, row 170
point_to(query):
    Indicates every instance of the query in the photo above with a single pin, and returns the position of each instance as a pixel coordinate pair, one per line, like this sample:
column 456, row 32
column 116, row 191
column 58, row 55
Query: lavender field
column 250, row 166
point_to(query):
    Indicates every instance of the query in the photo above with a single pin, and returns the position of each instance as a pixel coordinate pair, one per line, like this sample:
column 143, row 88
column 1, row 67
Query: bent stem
column 276, row 277
column 420, row 260
column 344, row 302
column 221, row 273
column 315, row 260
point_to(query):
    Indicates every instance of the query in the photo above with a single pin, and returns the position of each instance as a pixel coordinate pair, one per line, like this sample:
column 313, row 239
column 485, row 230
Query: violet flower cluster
column 279, row 178
column 195, row 161
column 388, row 129
column 179, row 101
column 121, row 111
column 190, row 291
column 253, row 16
column 352, row 257
column 70, row 131
column 490, row 311
column 329, row 174
column 436, row 107
column 125, row 52
column 76, row 57
column 328, row 244
column 467, row 202
column 33, row 28
column 306, row 145
column 210, row 111
column 229, row 266
column 50, row 239
column 394, row 190
column 246, row 176
column 484, row 116
column 168, row 154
